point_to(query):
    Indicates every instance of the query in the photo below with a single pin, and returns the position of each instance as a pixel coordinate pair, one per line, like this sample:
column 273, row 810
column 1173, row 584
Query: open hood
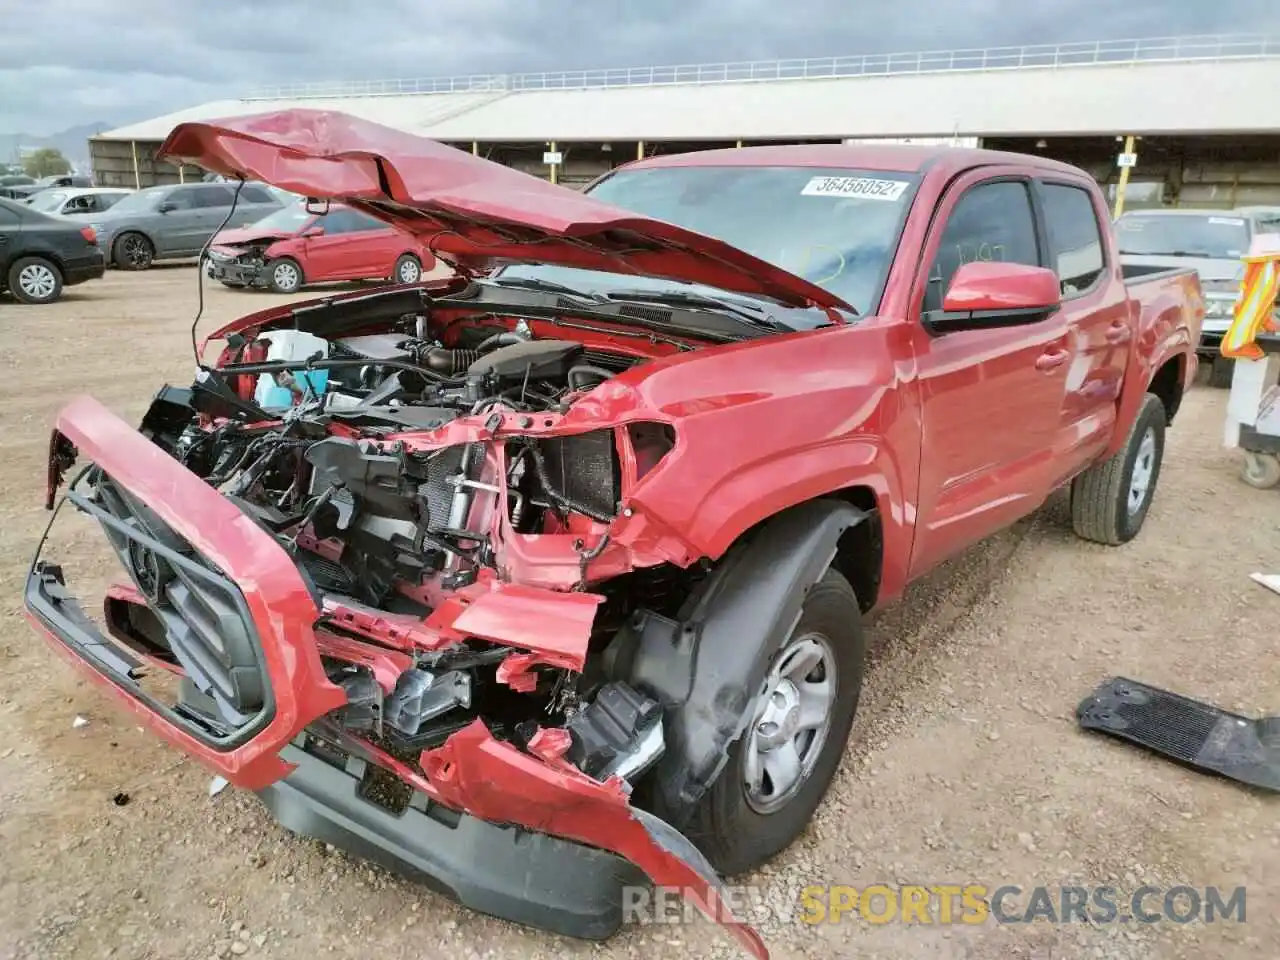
column 473, row 213
column 239, row 237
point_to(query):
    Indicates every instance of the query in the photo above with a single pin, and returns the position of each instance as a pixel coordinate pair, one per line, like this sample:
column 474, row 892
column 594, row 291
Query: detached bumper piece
column 229, row 271
column 517, row 875
column 1186, row 731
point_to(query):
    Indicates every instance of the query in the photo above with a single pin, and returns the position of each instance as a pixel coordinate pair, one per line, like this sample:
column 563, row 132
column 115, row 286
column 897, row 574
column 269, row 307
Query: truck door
column 990, row 398
column 1097, row 311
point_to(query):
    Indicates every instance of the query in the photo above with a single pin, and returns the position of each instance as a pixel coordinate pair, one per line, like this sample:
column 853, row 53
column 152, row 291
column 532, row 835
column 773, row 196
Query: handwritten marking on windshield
column 864, row 188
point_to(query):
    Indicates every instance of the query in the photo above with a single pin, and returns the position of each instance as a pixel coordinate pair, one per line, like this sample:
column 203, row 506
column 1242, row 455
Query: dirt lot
column 966, row 766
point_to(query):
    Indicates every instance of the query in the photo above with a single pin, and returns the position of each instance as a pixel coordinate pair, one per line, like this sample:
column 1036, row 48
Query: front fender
column 707, row 667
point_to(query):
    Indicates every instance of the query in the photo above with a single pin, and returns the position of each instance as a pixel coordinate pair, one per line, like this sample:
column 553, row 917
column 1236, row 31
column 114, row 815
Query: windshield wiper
column 749, row 313
column 547, row 286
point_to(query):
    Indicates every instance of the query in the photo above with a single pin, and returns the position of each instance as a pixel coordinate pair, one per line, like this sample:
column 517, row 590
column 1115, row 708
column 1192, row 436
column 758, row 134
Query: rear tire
column 133, row 251
column 1110, row 500
column 285, row 274
column 1220, row 372
column 35, row 280
column 408, row 269
column 737, row 826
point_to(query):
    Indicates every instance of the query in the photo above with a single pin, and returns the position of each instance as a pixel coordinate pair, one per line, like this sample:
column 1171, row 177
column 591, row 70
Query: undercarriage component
column 618, row 734
column 1186, row 731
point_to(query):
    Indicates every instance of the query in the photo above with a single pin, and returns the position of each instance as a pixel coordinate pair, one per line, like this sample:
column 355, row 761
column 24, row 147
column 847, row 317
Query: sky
column 69, row 62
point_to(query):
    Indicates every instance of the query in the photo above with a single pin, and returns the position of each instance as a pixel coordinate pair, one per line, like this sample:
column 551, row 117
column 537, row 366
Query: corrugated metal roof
column 1204, row 97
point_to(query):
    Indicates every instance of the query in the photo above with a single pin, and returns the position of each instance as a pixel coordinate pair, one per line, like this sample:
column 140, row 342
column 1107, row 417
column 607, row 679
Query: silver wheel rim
column 285, row 276
column 1144, row 465
column 37, row 281
column 791, row 720
column 409, row 272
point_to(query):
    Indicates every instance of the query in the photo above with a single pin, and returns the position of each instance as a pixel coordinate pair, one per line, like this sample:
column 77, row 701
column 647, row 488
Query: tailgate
column 232, row 605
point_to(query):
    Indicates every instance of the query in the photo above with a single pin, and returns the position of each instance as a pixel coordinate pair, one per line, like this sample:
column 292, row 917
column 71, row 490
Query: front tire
column 408, row 269
column 285, row 274
column 1260, row 470
column 780, row 768
column 133, row 251
column 35, row 280
column 1110, row 500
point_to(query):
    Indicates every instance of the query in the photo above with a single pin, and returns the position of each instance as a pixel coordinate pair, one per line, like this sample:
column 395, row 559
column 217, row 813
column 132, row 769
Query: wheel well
column 1167, row 385
column 860, row 551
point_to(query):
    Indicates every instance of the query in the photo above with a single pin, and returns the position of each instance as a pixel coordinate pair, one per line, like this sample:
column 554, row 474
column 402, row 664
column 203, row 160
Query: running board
column 1186, row 731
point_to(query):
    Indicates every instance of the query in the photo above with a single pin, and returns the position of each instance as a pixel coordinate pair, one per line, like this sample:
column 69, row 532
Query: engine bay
column 359, row 453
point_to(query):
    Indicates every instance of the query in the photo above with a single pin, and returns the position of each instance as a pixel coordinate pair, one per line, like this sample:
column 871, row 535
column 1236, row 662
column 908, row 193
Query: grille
column 206, row 625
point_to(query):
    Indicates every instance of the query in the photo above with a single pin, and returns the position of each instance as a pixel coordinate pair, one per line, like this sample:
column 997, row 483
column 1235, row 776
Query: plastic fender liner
column 707, row 667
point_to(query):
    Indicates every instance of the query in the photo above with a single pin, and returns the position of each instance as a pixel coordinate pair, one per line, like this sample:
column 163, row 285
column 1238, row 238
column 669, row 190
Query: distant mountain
column 72, row 142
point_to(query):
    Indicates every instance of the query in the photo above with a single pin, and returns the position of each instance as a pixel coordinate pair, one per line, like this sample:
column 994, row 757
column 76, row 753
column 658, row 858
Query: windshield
column 1183, row 235
column 286, row 220
column 138, row 202
column 835, row 228
column 47, row 200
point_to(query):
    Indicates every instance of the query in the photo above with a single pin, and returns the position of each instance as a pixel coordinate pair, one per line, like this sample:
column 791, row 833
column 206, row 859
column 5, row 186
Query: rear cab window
column 1077, row 253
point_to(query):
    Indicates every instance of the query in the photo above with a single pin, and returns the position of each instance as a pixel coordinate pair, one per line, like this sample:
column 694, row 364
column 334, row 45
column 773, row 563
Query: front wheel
column 1110, row 500
column 408, row 269
column 133, row 251
column 779, row 769
column 285, row 274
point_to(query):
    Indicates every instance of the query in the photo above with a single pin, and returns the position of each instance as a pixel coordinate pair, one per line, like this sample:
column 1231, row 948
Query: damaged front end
column 395, row 567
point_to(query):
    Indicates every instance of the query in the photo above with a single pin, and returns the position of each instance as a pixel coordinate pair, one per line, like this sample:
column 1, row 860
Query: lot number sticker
column 865, row 188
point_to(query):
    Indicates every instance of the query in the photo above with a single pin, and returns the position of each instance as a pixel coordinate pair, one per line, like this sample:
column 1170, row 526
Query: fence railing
column 1148, row 50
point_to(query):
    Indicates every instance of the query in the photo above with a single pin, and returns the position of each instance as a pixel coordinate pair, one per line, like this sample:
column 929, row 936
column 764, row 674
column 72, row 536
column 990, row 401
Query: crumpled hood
column 472, row 213
column 247, row 235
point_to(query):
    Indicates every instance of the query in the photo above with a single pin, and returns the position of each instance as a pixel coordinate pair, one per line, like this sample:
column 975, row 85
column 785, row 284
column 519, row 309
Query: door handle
column 1118, row 332
column 1052, row 359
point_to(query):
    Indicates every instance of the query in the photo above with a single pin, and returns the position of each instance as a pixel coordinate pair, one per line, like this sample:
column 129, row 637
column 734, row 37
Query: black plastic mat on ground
column 1187, row 731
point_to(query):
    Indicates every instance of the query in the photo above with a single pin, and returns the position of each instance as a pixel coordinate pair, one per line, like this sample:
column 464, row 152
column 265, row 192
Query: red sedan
column 293, row 247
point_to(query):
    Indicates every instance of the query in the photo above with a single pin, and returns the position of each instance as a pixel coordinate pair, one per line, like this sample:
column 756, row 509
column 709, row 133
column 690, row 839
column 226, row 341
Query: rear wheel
column 285, row 274
column 1110, row 500
column 1220, row 371
column 408, row 269
column 35, row 280
column 133, row 251
column 1260, row 470
column 779, row 770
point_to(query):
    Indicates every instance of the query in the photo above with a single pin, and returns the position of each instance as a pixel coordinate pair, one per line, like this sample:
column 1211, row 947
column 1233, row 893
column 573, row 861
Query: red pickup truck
column 560, row 565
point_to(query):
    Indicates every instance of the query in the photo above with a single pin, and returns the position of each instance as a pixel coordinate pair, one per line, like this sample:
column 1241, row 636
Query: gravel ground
column 966, row 766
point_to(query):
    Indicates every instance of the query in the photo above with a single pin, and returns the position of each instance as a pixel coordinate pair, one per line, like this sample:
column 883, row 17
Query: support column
column 555, row 167
column 137, row 177
column 639, row 149
column 1129, row 143
column 475, row 148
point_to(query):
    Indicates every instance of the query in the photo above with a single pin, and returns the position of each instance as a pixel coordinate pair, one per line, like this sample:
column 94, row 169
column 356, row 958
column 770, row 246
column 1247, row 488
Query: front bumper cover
column 230, row 271
column 592, row 839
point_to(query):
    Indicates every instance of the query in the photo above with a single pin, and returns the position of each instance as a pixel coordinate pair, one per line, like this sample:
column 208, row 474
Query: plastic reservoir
column 290, row 345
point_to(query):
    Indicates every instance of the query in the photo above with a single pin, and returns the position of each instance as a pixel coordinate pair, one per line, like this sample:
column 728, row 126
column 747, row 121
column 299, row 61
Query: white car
column 77, row 201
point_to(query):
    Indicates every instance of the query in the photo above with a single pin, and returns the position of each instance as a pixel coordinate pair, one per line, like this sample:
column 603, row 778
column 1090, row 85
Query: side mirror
column 315, row 230
column 985, row 295
column 166, row 206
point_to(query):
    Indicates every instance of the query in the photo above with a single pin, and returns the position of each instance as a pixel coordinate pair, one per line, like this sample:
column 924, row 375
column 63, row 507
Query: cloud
column 83, row 61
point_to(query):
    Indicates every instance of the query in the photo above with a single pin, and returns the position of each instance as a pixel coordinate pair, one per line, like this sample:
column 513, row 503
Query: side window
column 252, row 193
column 180, row 199
column 1075, row 239
column 992, row 221
column 212, row 195
column 348, row 221
column 1269, row 224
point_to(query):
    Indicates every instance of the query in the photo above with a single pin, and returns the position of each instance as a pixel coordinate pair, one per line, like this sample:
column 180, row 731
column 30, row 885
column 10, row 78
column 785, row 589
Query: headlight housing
column 1219, row 308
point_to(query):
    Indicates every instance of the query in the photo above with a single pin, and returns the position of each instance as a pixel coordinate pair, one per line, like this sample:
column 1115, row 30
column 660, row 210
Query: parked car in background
column 77, row 201
column 14, row 185
column 176, row 220
column 40, row 254
column 26, row 192
column 293, row 247
column 1212, row 242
